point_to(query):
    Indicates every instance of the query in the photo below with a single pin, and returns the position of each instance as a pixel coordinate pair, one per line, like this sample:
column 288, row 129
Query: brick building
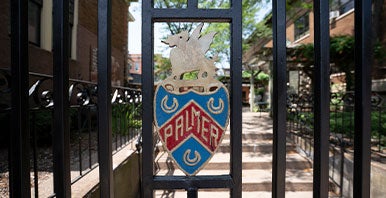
column 300, row 30
column 300, row 27
column 83, row 38
column 135, row 62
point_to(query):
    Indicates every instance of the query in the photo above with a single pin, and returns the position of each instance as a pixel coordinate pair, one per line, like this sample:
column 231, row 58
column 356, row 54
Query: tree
column 221, row 43
column 163, row 67
column 341, row 55
column 256, row 77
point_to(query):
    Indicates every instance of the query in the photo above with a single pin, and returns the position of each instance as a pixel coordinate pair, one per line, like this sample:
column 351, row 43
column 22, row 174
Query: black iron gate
column 19, row 144
column 191, row 13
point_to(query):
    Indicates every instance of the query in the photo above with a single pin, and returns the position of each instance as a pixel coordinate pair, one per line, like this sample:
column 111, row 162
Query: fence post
column 19, row 166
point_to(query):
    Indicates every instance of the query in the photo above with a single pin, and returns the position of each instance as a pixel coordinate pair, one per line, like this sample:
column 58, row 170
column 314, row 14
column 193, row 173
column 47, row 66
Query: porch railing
column 126, row 124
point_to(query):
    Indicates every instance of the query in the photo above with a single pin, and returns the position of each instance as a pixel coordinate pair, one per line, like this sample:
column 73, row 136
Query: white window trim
column 74, row 31
column 46, row 27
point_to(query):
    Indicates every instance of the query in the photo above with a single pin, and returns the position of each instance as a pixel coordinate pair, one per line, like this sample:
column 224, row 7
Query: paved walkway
column 257, row 164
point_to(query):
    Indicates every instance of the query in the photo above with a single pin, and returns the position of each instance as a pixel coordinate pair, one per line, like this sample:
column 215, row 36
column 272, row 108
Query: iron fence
column 301, row 119
column 126, row 125
column 19, row 140
column 300, row 129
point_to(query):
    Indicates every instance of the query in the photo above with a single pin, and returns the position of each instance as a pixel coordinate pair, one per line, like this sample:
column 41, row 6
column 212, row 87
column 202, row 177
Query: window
column 71, row 23
column 301, row 26
column 136, row 66
column 34, row 12
column 342, row 6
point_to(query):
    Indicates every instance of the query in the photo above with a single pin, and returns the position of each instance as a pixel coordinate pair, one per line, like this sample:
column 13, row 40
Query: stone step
column 258, row 147
column 257, row 164
column 251, row 138
column 259, row 180
column 251, row 135
column 245, row 166
column 250, row 161
column 225, row 194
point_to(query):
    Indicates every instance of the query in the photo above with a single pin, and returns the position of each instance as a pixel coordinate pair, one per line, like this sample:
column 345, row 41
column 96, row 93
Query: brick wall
column 383, row 24
column 88, row 18
column 86, row 41
column 136, row 58
column 343, row 25
column 5, row 43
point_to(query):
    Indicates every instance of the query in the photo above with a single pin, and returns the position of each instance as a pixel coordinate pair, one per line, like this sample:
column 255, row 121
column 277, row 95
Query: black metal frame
column 191, row 13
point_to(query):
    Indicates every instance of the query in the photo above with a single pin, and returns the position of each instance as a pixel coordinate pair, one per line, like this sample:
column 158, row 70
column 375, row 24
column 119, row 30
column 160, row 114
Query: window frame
column 299, row 32
column 37, row 24
column 341, row 6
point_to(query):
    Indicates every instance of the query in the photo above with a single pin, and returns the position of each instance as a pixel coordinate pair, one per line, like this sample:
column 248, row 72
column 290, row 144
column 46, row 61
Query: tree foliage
column 341, row 55
column 342, row 49
column 221, row 43
column 163, row 67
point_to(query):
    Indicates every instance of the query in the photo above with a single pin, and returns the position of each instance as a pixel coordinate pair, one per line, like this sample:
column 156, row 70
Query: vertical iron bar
column 104, row 100
column 279, row 98
column 321, row 98
column 121, row 127
column 80, row 139
column 89, row 137
column 379, row 128
column 34, row 154
column 19, row 143
column 192, row 193
column 115, row 130
column 336, row 119
column 341, row 174
column 342, row 129
column 350, row 128
column 362, row 134
column 61, row 135
column 192, row 4
column 147, row 102
column 236, row 100
column 131, row 128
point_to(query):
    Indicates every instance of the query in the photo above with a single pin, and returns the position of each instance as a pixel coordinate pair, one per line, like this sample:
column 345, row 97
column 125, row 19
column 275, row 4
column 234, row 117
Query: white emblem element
column 194, row 161
column 188, row 55
column 215, row 110
column 169, row 109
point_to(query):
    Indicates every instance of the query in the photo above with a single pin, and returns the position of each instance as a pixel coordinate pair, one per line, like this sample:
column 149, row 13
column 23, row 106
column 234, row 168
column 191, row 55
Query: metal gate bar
column 279, row 98
column 19, row 149
column 104, row 100
column 191, row 13
column 362, row 152
column 61, row 130
column 321, row 98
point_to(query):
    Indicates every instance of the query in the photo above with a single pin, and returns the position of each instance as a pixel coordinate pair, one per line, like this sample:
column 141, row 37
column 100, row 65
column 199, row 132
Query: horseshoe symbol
column 215, row 110
column 169, row 109
column 194, row 161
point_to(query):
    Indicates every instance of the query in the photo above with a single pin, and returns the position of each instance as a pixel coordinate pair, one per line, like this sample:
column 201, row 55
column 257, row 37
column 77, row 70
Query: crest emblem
column 191, row 116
